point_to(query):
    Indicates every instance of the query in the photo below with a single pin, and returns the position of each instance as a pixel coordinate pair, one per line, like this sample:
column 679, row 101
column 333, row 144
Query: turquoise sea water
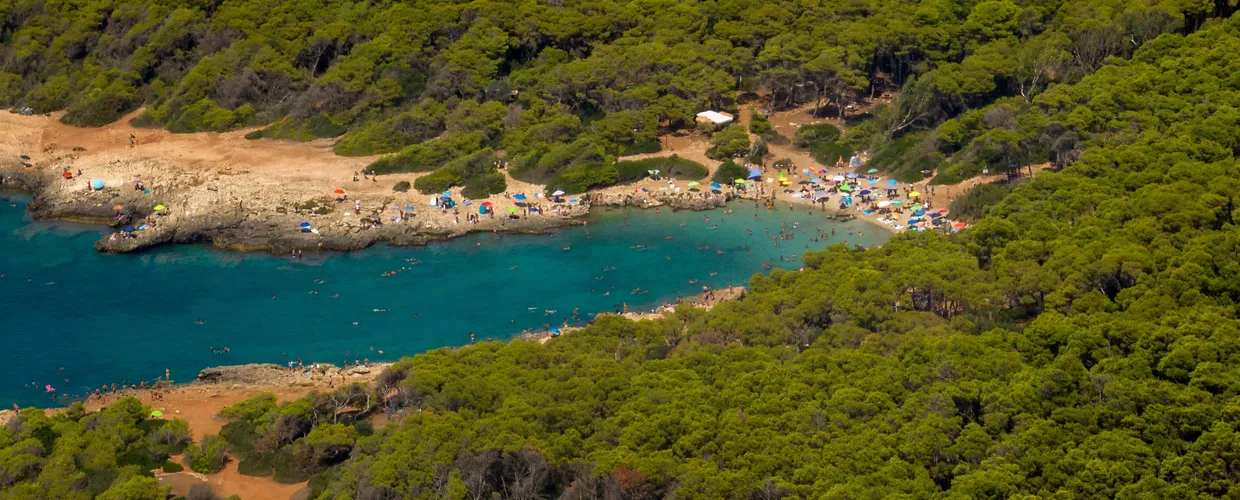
column 71, row 313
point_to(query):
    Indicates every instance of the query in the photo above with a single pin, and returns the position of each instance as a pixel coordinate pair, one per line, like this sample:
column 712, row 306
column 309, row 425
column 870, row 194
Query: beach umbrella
column 864, row 192
column 872, row 170
column 157, row 414
column 815, row 180
column 118, row 208
column 884, row 203
column 160, row 208
column 143, row 227
column 959, row 225
column 558, row 193
column 555, row 331
column 519, row 197
column 935, row 215
column 851, row 175
column 67, row 175
column 513, row 210
column 446, row 194
column 716, row 191
column 845, row 188
column 739, row 181
column 574, row 200
column 96, row 183
column 754, row 173
column 916, row 207
column 694, row 183
column 338, row 191
column 914, row 194
column 893, row 182
column 715, row 185
column 486, row 204
column 919, row 213
column 897, row 202
column 305, row 224
column 838, row 178
column 129, row 229
column 410, row 207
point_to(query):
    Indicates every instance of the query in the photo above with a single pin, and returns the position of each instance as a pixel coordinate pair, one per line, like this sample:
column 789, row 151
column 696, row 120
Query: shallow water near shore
column 112, row 318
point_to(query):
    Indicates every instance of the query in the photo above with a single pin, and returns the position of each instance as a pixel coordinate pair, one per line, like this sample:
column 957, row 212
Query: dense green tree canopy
column 1080, row 341
column 561, row 85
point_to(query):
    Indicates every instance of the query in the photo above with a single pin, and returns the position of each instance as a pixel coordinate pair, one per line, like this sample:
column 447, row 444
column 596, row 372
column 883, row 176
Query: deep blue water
column 114, row 318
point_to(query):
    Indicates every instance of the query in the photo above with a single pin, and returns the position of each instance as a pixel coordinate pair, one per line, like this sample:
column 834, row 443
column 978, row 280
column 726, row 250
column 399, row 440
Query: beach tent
column 754, row 173
column 97, row 184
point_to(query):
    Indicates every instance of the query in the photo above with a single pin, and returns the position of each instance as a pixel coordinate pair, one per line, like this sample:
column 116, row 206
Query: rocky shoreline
column 270, row 223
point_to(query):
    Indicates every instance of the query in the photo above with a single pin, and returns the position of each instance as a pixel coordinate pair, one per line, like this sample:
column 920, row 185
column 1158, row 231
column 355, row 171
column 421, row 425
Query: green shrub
column 256, row 465
column 809, row 135
column 730, row 142
column 728, row 172
column 103, row 106
column 207, row 457
column 642, row 146
column 438, row 181
column 401, row 187
column 254, row 135
column 482, row 186
column 972, row 205
column 904, row 158
column 172, row 467
column 671, row 166
column 584, row 177
column 429, row 155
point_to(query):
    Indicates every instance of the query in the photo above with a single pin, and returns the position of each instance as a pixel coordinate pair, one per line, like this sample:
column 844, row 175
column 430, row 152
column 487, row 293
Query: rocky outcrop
column 678, row 201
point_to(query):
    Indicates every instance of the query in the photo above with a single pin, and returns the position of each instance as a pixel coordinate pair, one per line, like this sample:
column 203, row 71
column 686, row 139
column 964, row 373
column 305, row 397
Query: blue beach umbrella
column 446, row 194
column 851, row 175
column 519, row 197
column 893, row 182
column 715, row 185
column 872, row 170
column 815, row 180
column 129, row 229
column 409, row 207
column 864, row 192
column 305, row 224
column 555, row 331
column 919, row 213
column 574, row 200
column 96, row 183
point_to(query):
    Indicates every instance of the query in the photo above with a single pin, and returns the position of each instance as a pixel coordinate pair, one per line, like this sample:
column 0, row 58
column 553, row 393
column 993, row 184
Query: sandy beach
column 254, row 195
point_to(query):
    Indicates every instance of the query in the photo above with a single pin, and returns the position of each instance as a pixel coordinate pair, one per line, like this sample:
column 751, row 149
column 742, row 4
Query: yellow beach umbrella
column 914, row 194
column 160, row 208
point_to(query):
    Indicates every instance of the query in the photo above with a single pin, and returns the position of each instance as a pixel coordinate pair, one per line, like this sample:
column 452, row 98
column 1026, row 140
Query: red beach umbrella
column 339, row 191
